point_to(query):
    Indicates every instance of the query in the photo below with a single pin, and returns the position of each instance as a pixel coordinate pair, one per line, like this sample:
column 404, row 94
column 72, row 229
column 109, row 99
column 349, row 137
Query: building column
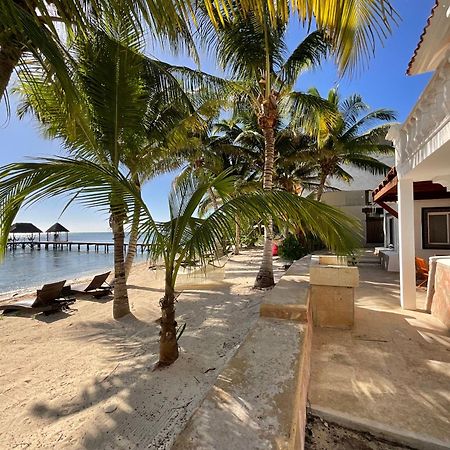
column 406, row 243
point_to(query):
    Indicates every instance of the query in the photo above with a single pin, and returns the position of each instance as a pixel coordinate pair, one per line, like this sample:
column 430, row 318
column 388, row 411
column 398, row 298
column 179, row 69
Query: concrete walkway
column 390, row 374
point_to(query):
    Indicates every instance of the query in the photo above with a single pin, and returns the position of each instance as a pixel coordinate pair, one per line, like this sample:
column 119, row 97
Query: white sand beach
column 84, row 381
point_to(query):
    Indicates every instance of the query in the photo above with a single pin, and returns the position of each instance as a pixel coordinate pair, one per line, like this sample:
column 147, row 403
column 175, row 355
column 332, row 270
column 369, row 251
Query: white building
column 422, row 145
column 358, row 204
column 355, row 199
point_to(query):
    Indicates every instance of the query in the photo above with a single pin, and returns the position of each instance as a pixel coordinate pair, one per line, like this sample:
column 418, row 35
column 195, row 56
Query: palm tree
column 123, row 98
column 355, row 138
column 252, row 47
column 255, row 55
column 42, row 29
column 29, row 26
column 216, row 151
column 102, row 186
column 185, row 238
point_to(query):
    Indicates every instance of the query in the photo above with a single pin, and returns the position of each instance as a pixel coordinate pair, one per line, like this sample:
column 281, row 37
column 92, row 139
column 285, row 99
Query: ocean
column 25, row 270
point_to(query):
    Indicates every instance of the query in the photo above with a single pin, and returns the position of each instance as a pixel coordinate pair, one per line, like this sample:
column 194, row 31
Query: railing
column 428, row 117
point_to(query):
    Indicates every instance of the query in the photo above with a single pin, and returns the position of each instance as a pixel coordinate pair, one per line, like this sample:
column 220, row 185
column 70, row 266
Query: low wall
column 440, row 306
column 259, row 399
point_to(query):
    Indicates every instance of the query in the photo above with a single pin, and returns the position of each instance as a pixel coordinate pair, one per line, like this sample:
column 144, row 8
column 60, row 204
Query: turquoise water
column 22, row 270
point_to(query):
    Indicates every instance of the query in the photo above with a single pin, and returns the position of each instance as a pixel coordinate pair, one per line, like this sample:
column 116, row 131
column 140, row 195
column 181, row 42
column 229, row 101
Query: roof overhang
column 434, row 40
column 423, row 190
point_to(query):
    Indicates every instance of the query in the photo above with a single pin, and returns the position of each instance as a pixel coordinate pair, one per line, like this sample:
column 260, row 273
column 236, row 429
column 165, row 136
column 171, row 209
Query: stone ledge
column 288, row 312
column 329, row 260
column 255, row 402
column 291, row 291
column 259, row 399
column 334, row 276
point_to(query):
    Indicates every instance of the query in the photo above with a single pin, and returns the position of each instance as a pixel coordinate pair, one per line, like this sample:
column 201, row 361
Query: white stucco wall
column 418, row 205
column 351, row 203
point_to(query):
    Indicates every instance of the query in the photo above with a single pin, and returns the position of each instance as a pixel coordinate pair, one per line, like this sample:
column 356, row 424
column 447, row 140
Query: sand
column 81, row 380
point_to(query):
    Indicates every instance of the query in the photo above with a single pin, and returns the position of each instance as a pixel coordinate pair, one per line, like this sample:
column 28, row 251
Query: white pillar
column 406, row 243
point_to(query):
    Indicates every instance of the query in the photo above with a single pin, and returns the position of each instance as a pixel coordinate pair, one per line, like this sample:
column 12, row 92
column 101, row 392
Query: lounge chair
column 98, row 287
column 48, row 299
column 421, row 272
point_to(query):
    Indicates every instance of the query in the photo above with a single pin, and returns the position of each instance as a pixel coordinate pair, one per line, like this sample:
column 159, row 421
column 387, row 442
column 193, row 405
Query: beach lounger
column 48, row 299
column 421, row 272
column 98, row 287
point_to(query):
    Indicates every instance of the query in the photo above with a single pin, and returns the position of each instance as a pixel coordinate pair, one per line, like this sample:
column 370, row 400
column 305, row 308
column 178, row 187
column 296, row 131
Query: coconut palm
column 43, row 29
column 102, row 186
column 126, row 105
column 185, row 238
column 217, row 151
column 255, row 54
column 356, row 139
column 29, row 26
column 252, row 47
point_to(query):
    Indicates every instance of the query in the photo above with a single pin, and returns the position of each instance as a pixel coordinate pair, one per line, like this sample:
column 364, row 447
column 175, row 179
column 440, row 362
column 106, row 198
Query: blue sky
column 383, row 84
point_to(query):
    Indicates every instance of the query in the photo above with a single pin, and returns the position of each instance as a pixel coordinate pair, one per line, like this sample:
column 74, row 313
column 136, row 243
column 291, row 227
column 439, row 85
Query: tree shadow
column 133, row 405
column 391, row 368
column 40, row 316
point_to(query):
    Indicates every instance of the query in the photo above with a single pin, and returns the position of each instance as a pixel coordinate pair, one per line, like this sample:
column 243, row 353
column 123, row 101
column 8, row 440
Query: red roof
column 422, row 36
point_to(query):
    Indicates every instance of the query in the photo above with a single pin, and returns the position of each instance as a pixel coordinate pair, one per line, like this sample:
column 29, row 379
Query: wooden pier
column 70, row 245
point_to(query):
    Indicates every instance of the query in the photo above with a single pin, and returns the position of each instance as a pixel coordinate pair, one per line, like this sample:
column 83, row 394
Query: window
column 391, row 231
column 436, row 227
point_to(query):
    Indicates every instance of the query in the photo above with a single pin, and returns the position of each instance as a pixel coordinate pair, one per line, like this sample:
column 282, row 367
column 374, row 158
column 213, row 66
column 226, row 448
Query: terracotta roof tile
column 422, row 36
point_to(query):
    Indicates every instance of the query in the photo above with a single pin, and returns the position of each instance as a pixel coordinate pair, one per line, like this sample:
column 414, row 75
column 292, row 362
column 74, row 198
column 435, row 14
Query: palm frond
column 363, row 124
column 307, row 110
column 94, row 185
column 309, row 53
column 368, row 164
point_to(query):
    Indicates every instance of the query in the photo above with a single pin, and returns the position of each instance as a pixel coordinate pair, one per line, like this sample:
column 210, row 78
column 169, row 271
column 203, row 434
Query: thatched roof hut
column 24, row 228
column 56, row 229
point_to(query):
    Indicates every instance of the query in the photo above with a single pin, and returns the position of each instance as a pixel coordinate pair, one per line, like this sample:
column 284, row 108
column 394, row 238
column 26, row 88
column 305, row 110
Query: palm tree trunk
column 320, row 189
column 132, row 243
column 237, row 246
column 168, row 346
column 121, row 305
column 10, row 54
column 265, row 279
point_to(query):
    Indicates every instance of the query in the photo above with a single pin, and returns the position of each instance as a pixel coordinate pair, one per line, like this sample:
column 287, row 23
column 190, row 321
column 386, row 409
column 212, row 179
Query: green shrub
column 296, row 247
column 291, row 248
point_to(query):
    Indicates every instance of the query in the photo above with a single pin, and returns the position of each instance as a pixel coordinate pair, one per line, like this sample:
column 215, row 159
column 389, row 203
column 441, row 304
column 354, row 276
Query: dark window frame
column 425, row 212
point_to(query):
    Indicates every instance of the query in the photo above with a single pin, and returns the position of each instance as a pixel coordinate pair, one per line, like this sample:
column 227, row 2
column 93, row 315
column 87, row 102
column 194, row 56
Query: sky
column 382, row 84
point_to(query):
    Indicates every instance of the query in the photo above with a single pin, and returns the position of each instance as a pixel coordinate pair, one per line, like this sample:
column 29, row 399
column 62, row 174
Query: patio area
column 390, row 374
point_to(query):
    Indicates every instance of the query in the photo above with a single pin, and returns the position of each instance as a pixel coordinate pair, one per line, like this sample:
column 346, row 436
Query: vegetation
column 291, row 249
column 185, row 238
column 128, row 110
column 30, row 26
column 254, row 53
column 354, row 138
column 124, row 117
